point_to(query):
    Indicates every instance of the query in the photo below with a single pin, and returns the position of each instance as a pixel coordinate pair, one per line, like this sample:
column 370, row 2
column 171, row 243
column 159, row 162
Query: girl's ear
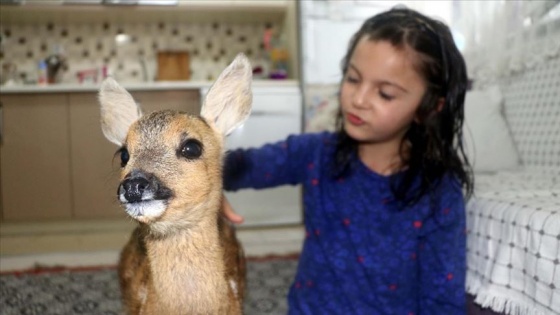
column 440, row 104
column 439, row 107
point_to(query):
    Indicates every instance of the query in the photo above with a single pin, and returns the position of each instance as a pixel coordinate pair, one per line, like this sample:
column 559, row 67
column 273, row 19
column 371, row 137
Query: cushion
column 488, row 143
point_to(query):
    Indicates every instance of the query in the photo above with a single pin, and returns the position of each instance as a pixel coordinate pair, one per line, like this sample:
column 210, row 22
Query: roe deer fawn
column 183, row 257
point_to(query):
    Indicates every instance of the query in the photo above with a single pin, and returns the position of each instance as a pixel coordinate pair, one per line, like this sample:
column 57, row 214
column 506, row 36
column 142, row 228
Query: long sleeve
column 442, row 256
column 271, row 165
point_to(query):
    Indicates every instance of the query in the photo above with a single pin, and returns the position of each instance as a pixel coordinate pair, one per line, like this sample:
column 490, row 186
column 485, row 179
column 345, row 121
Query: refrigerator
column 326, row 29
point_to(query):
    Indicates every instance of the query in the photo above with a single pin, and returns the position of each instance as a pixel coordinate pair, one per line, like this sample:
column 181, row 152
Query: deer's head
column 172, row 161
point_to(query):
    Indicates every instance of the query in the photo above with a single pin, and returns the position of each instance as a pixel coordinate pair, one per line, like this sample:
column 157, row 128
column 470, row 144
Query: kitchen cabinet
column 94, row 175
column 35, row 157
column 55, row 161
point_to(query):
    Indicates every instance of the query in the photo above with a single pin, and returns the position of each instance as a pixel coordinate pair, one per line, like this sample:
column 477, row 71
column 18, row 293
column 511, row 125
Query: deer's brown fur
column 183, row 258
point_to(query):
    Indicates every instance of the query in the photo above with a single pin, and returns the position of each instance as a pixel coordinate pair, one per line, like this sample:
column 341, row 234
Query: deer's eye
column 124, row 156
column 191, row 149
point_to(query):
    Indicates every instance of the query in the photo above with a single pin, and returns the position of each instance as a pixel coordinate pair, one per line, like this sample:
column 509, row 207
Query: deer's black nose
column 134, row 188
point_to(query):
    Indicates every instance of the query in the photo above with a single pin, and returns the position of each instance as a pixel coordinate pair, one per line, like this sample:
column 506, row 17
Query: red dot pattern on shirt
column 360, row 259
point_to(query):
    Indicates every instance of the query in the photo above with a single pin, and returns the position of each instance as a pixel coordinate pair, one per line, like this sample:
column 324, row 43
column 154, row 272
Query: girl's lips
column 354, row 120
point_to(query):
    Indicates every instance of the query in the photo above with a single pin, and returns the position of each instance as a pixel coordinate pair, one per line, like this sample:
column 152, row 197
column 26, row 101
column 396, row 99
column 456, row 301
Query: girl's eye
column 124, row 157
column 191, row 149
column 351, row 79
column 385, row 96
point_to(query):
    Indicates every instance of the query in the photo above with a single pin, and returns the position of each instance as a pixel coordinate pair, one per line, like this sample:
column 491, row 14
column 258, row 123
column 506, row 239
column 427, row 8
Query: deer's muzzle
column 143, row 194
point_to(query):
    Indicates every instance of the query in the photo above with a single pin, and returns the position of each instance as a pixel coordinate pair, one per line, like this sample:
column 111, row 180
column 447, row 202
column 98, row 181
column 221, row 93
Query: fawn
column 183, row 257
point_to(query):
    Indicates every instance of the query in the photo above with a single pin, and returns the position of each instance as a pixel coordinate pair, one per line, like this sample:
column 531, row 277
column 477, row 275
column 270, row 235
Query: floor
column 257, row 242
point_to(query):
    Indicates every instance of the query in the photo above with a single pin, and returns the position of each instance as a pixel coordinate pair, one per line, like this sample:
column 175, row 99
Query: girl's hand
column 229, row 213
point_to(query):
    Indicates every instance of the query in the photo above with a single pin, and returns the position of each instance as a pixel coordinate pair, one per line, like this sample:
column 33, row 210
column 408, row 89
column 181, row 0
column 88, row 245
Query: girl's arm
column 271, row 165
column 442, row 255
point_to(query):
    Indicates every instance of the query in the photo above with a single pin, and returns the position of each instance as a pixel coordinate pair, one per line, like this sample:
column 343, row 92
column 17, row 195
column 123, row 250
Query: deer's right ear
column 118, row 111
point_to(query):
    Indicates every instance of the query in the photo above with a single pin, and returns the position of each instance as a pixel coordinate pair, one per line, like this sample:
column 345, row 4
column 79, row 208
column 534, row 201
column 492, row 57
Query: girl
column 384, row 208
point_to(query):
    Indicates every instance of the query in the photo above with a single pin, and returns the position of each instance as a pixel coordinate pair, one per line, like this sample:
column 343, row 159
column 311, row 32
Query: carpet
column 95, row 291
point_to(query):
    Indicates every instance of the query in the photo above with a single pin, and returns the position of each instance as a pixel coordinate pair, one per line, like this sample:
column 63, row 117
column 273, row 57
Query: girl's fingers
column 229, row 213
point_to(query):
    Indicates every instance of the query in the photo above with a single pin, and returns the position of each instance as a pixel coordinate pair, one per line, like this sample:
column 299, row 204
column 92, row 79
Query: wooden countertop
column 141, row 86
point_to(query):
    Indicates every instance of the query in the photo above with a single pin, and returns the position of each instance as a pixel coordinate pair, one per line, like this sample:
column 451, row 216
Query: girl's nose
column 360, row 98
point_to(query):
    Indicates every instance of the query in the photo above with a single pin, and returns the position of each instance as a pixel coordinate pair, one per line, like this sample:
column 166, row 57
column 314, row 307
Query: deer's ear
column 228, row 103
column 118, row 111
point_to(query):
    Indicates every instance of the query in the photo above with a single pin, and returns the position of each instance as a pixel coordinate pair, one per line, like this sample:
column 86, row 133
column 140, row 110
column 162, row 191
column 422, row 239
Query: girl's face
column 380, row 93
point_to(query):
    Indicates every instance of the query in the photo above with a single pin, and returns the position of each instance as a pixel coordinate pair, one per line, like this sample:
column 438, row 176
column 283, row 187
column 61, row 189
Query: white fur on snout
column 151, row 209
column 148, row 207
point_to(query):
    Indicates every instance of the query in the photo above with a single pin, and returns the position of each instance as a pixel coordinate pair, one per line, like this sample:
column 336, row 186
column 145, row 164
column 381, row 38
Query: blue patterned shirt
column 362, row 254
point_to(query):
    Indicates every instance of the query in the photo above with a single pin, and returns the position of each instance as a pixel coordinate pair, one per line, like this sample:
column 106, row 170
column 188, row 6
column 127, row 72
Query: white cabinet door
column 276, row 114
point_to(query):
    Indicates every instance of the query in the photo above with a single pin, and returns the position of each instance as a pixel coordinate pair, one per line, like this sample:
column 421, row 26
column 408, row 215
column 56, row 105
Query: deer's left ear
column 228, row 103
column 118, row 111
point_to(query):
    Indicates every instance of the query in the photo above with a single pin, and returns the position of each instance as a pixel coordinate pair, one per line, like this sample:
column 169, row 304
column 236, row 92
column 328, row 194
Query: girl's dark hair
column 436, row 138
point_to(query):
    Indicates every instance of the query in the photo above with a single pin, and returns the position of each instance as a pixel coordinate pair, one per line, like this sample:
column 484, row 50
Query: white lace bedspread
column 513, row 243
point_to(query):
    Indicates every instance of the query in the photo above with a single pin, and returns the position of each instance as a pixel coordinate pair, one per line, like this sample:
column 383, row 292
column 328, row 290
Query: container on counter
column 42, row 77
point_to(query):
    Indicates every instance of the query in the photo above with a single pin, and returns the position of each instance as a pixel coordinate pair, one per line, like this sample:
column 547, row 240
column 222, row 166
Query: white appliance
column 326, row 30
column 276, row 114
column 328, row 25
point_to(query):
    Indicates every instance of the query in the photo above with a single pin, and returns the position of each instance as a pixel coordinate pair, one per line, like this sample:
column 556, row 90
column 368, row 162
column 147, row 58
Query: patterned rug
column 95, row 291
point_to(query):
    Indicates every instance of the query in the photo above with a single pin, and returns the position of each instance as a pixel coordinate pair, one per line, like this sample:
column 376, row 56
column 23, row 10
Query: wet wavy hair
column 436, row 140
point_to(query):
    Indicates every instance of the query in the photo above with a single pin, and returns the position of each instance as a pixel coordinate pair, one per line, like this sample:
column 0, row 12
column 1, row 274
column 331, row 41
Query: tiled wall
column 211, row 46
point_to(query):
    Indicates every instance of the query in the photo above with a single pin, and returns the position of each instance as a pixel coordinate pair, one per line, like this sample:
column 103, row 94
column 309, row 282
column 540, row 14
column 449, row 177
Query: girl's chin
column 357, row 134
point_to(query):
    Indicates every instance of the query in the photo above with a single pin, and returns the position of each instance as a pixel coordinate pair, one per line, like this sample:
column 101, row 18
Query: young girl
column 384, row 208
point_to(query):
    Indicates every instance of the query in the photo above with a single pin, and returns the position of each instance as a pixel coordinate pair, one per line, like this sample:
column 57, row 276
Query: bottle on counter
column 278, row 54
column 55, row 64
column 261, row 68
column 42, row 73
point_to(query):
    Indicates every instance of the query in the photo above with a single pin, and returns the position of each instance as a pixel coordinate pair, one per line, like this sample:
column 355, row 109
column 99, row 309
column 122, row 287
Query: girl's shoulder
column 449, row 184
column 451, row 203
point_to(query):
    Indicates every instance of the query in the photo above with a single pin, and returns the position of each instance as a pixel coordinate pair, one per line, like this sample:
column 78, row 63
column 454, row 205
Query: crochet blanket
column 513, row 244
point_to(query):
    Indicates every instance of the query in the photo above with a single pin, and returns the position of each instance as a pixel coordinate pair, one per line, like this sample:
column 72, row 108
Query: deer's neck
column 187, row 269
